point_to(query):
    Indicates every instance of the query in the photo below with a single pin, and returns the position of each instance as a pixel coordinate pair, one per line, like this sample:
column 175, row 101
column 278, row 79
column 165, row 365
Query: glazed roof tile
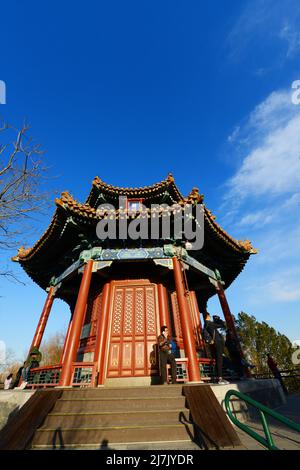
column 68, row 206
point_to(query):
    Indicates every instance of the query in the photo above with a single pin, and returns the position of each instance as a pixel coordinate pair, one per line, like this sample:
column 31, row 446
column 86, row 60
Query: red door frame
column 130, row 283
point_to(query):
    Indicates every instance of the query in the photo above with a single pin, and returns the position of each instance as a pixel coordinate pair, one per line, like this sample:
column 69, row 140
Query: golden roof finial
column 247, row 246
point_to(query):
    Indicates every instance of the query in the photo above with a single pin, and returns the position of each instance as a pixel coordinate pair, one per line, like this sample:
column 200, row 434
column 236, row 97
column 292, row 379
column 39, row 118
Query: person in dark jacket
column 211, row 327
column 165, row 355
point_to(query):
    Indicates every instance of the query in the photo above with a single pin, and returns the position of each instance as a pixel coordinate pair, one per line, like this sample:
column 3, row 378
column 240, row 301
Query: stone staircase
column 114, row 417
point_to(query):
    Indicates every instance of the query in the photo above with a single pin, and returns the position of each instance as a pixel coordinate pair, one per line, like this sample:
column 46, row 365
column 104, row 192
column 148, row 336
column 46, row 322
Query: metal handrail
column 263, row 410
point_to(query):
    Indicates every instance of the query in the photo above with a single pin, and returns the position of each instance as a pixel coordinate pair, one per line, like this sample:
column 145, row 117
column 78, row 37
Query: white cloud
column 283, row 246
column 283, row 287
column 272, row 287
column 292, row 36
column 254, row 15
column 260, row 218
column 267, row 22
column 232, row 137
column 272, row 165
column 293, row 202
column 285, row 293
column 275, row 110
column 272, row 213
column 263, row 201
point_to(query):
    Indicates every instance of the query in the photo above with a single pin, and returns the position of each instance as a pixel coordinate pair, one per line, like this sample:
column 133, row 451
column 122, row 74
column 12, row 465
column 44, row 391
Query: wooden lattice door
column 133, row 329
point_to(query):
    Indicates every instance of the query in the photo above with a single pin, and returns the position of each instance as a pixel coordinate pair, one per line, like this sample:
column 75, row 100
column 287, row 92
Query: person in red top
column 275, row 371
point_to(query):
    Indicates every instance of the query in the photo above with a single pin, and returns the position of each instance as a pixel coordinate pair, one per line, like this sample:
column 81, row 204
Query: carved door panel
column 133, row 330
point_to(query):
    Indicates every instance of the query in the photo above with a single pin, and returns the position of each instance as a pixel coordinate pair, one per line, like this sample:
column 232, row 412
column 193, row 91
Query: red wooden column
column 186, row 324
column 163, row 307
column 62, row 359
column 196, row 318
column 229, row 320
column 37, row 339
column 101, row 335
column 76, row 326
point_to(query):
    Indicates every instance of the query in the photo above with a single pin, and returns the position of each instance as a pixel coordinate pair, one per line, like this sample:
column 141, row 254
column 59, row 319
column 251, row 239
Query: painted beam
column 162, row 255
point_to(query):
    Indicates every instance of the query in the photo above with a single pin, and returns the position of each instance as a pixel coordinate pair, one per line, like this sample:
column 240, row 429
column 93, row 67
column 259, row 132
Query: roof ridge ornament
column 247, row 246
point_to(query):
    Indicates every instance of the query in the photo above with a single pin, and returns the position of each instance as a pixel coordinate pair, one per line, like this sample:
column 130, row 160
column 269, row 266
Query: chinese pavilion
column 121, row 290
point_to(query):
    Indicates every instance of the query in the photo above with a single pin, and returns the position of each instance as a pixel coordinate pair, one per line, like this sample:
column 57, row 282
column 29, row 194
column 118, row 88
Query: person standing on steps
column 165, row 355
column 214, row 338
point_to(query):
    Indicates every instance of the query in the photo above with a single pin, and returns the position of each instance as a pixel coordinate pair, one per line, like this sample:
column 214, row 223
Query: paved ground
column 292, row 409
column 283, row 437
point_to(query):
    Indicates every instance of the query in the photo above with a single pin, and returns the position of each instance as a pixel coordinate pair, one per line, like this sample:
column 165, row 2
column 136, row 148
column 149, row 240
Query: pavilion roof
column 62, row 233
column 149, row 194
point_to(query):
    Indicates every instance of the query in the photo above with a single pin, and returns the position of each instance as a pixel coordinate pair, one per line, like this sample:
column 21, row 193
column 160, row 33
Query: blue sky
column 133, row 90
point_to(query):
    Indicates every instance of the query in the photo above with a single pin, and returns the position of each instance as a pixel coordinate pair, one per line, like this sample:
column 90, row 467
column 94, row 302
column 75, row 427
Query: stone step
column 115, row 418
column 97, row 436
column 134, row 392
column 91, row 418
column 185, row 445
column 117, row 404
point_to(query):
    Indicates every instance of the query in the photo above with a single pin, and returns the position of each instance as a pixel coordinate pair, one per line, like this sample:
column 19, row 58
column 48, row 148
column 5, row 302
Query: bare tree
column 52, row 348
column 22, row 174
column 10, row 366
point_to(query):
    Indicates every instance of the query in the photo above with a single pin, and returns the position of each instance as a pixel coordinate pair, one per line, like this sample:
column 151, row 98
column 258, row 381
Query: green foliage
column 258, row 339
